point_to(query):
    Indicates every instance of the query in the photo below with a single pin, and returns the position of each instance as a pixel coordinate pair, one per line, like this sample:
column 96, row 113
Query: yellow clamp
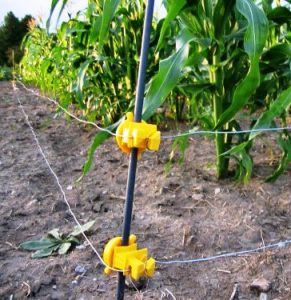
column 132, row 261
column 132, row 134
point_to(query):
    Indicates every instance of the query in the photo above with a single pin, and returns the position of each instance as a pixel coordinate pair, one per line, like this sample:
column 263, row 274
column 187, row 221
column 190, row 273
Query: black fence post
column 133, row 155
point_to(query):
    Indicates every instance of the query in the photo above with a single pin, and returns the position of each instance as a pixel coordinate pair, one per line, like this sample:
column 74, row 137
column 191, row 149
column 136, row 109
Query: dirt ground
column 183, row 214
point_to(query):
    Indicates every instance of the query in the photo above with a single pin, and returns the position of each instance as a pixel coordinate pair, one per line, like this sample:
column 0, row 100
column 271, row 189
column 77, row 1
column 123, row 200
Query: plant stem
column 216, row 77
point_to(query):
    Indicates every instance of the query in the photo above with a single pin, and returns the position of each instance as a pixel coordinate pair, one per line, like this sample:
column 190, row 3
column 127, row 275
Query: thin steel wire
column 202, row 132
column 163, row 137
column 278, row 245
column 65, row 110
column 60, row 186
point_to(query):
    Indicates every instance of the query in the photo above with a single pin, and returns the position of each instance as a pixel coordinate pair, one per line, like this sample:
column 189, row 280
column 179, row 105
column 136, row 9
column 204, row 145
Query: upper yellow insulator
column 132, row 134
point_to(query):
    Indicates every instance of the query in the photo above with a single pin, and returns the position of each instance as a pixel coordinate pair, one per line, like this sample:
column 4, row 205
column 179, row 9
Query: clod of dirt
column 80, row 269
column 60, row 206
column 261, row 285
column 97, row 207
column 197, row 197
column 217, row 191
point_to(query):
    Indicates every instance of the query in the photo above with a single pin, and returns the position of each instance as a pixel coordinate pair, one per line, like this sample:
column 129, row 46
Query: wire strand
column 202, row 132
column 66, row 111
column 163, row 137
column 60, row 187
column 278, row 245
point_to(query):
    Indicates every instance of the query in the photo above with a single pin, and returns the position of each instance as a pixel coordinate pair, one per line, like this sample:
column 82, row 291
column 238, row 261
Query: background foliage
column 11, row 34
column 221, row 65
column 92, row 61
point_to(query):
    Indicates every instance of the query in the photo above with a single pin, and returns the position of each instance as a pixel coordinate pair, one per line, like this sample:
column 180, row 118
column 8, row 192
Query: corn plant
column 218, row 61
column 231, row 56
column 90, row 62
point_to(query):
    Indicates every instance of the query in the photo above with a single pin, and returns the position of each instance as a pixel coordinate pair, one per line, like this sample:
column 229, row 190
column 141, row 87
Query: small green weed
column 55, row 242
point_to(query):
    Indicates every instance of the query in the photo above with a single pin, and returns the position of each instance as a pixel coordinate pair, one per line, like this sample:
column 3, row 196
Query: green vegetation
column 228, row 63
column 11, row 34
column 56, row 242
column 84, row 65
column 5, row 73
column 221, row 65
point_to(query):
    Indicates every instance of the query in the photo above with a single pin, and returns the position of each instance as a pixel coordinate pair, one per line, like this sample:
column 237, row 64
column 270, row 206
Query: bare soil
column 185, row 213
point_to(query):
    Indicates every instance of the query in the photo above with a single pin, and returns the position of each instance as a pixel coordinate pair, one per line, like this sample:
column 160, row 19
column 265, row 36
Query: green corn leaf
column 196, row 58
column 241, row 95
column 109, row 9
column 276, row 108
column 99, row 138
column 173, row 10
column 44, row 66
column 194, row 88
column 277, row 53
column 280, row 15
column 256, row 34
column 221, row 16
column 285, row 160
column 169, row 74
column 44, row 252
column 247, row 164
column 207, row 7
column 38, row 244
column 192, row 22
column 81, row 78
column 64, row 3
column 236, row 149
column 82, row 73
column 53, row 7
column 77, row 231
column 254, row 41
column 64, row 248
column 91, row 8
column 95, row 30
column 165, row 80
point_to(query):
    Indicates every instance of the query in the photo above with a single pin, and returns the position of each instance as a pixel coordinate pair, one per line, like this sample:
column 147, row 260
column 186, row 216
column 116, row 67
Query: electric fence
column 270, row 247
column 134, row 136
column 190, row 132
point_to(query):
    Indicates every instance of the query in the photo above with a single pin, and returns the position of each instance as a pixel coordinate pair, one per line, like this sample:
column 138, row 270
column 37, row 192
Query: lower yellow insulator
column 132, row 261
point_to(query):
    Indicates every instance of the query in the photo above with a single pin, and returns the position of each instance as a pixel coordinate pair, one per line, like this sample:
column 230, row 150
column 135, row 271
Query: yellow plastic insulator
column 132, row 134
column 134, row 262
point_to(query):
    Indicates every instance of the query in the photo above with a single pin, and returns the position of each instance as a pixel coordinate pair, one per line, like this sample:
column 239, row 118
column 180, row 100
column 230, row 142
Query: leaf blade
column 87, row 226
column 276, row 108
column 254, row 41
column 169, row 74
column 109, row 9
column 173, row 10
column 38, row 244
column 64, row 248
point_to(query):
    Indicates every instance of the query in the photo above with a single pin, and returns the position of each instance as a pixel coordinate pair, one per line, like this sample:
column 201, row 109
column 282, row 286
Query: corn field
column 217, row 65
